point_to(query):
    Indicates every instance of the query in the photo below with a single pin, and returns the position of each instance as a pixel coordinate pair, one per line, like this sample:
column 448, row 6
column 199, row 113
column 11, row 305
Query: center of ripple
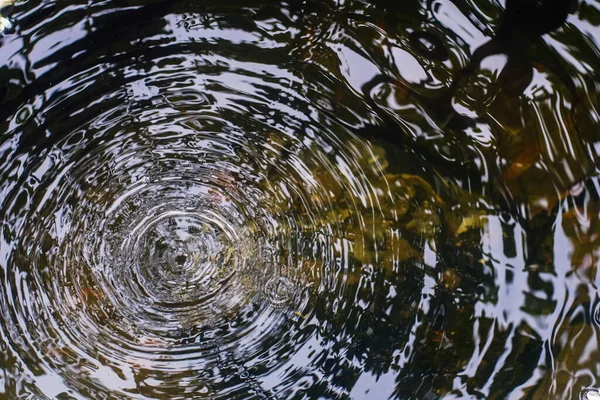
column 184, row 258
column 165, row 270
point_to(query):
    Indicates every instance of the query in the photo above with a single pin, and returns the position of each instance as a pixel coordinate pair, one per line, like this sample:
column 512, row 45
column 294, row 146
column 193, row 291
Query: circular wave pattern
column 157, row 259
column 184, row 224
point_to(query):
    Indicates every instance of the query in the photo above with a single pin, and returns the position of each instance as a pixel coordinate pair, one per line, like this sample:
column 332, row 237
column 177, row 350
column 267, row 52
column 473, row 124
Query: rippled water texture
column 240, row 200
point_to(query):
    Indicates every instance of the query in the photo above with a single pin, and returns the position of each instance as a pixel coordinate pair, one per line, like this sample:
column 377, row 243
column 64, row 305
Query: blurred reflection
column 521, row 24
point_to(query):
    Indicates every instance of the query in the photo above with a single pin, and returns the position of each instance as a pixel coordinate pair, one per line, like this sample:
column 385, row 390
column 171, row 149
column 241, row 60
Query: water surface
column 298, row 200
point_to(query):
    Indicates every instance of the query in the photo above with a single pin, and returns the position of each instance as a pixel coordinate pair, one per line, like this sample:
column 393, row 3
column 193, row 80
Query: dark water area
column 299, row 200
